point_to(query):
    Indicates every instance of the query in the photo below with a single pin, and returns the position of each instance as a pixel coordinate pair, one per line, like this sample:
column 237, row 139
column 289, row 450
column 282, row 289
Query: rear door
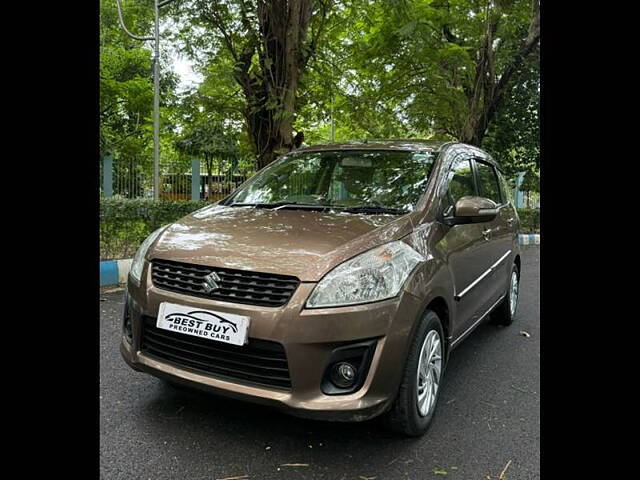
column 498, row 234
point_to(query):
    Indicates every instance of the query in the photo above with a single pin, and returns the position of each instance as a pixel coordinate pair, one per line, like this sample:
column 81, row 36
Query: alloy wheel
column 513, row 292
column 429, row 370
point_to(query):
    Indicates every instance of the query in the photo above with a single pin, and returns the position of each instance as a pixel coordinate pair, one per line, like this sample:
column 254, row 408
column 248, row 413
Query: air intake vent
column 259, row 362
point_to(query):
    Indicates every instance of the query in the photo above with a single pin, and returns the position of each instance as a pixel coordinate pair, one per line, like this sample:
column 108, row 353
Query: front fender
column 432, row 279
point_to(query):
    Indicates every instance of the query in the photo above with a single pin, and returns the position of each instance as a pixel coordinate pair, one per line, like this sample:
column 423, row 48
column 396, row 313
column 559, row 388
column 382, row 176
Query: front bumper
column 308, row 337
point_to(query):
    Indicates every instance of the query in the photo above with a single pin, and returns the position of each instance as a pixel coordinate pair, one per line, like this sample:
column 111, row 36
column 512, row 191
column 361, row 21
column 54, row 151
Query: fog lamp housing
column 348, row 367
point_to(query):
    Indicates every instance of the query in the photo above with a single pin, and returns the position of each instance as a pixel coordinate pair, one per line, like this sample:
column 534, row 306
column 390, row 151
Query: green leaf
column 407, row 29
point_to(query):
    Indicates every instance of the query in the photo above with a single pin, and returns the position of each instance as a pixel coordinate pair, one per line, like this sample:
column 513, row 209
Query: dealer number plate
column 209, row 324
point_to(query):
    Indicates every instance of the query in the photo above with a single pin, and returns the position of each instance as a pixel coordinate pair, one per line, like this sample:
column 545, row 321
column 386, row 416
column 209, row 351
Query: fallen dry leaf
column 241, row 477
column 504, row 470
column 294, row 465
column 439, row 471
column 524, row 334
column 518, row 389
column 112, row 290
column 393, row 461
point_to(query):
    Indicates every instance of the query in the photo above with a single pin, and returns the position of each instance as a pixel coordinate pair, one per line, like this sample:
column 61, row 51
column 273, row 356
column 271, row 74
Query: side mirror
column 472, row 210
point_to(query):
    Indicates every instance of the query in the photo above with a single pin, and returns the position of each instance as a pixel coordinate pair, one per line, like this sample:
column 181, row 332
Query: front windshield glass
column 371, row 178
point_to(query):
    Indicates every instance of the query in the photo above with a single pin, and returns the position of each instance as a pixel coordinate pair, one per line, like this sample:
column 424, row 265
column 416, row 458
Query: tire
column 505, row 313
column 404, row 416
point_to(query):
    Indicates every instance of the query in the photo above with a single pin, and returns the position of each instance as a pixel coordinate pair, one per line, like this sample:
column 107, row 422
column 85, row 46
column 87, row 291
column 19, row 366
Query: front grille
column 237, row 286
column 259, row 362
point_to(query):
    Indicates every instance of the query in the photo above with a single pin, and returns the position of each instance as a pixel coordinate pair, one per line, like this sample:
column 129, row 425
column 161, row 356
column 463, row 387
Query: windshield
column 372, row 178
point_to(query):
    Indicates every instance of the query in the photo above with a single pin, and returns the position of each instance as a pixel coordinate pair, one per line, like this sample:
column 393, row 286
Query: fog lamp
column 343, row 375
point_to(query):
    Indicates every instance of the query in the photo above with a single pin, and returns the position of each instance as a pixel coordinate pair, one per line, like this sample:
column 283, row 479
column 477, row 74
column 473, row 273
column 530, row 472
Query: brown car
column 332, row 284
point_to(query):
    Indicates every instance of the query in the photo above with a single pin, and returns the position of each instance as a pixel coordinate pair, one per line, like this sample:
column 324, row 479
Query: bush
column 125, row 223
column 529, row 220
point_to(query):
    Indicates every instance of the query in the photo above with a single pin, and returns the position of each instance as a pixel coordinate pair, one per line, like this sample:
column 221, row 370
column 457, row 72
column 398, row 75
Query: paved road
column 488, row 415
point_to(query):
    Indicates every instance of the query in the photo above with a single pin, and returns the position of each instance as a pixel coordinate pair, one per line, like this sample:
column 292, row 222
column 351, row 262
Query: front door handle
column 486, row 233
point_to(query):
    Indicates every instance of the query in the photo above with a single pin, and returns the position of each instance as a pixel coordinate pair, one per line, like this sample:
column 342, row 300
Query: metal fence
column 523, row 198
column 185, row 180
column 531, row 199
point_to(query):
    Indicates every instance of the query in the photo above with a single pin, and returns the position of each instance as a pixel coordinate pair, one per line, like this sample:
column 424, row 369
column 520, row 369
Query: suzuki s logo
column 210, row 282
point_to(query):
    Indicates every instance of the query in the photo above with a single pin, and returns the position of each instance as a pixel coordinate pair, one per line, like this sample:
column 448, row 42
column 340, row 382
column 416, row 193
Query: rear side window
column 461, row 183
column 488, row 182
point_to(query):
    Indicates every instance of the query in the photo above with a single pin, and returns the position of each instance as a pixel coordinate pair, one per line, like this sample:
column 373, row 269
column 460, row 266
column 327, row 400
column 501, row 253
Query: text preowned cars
column 333, row 284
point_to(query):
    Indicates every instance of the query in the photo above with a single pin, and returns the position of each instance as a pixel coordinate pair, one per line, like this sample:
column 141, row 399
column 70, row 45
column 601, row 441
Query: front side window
column 488, row 182
column 393, row 179
column 461, row 180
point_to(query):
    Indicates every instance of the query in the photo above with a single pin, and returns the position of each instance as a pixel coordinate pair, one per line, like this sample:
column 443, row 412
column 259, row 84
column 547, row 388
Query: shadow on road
column 177, row 409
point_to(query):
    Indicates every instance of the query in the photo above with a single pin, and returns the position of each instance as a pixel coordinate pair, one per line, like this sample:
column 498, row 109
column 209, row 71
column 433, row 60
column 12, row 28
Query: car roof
column 406, row 144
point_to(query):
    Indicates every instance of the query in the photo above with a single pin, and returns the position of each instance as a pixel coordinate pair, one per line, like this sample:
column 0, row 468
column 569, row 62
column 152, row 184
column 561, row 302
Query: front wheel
column 504, row 313
column 414, row 407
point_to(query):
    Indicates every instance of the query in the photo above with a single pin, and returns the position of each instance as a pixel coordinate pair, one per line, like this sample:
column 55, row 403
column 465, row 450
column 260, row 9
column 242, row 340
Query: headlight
column 138, row 259
column 371, row 276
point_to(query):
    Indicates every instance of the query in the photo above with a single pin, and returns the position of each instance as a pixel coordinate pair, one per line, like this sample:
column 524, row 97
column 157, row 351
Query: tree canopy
column 465, row 70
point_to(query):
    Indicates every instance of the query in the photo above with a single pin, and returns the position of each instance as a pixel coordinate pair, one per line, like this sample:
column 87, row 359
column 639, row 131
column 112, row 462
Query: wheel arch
column 517, row 262
column 439, row 305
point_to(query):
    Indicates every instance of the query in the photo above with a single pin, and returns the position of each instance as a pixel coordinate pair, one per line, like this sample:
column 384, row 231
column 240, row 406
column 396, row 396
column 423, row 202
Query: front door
column 463, row 245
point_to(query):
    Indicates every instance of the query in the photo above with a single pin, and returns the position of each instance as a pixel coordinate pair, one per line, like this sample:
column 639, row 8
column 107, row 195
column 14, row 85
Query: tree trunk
column 283, row 43
column 283, row 46
column 271, row 93
column 486, row 95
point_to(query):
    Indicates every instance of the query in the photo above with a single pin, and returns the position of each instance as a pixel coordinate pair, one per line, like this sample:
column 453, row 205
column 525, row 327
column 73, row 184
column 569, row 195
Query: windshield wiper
column 260, row 205
column 283, row 204
column 373, row 209
column 303, row 206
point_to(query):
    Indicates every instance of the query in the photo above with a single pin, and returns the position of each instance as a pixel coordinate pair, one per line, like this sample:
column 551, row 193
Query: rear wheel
column 415, row 405
column 504, row 314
